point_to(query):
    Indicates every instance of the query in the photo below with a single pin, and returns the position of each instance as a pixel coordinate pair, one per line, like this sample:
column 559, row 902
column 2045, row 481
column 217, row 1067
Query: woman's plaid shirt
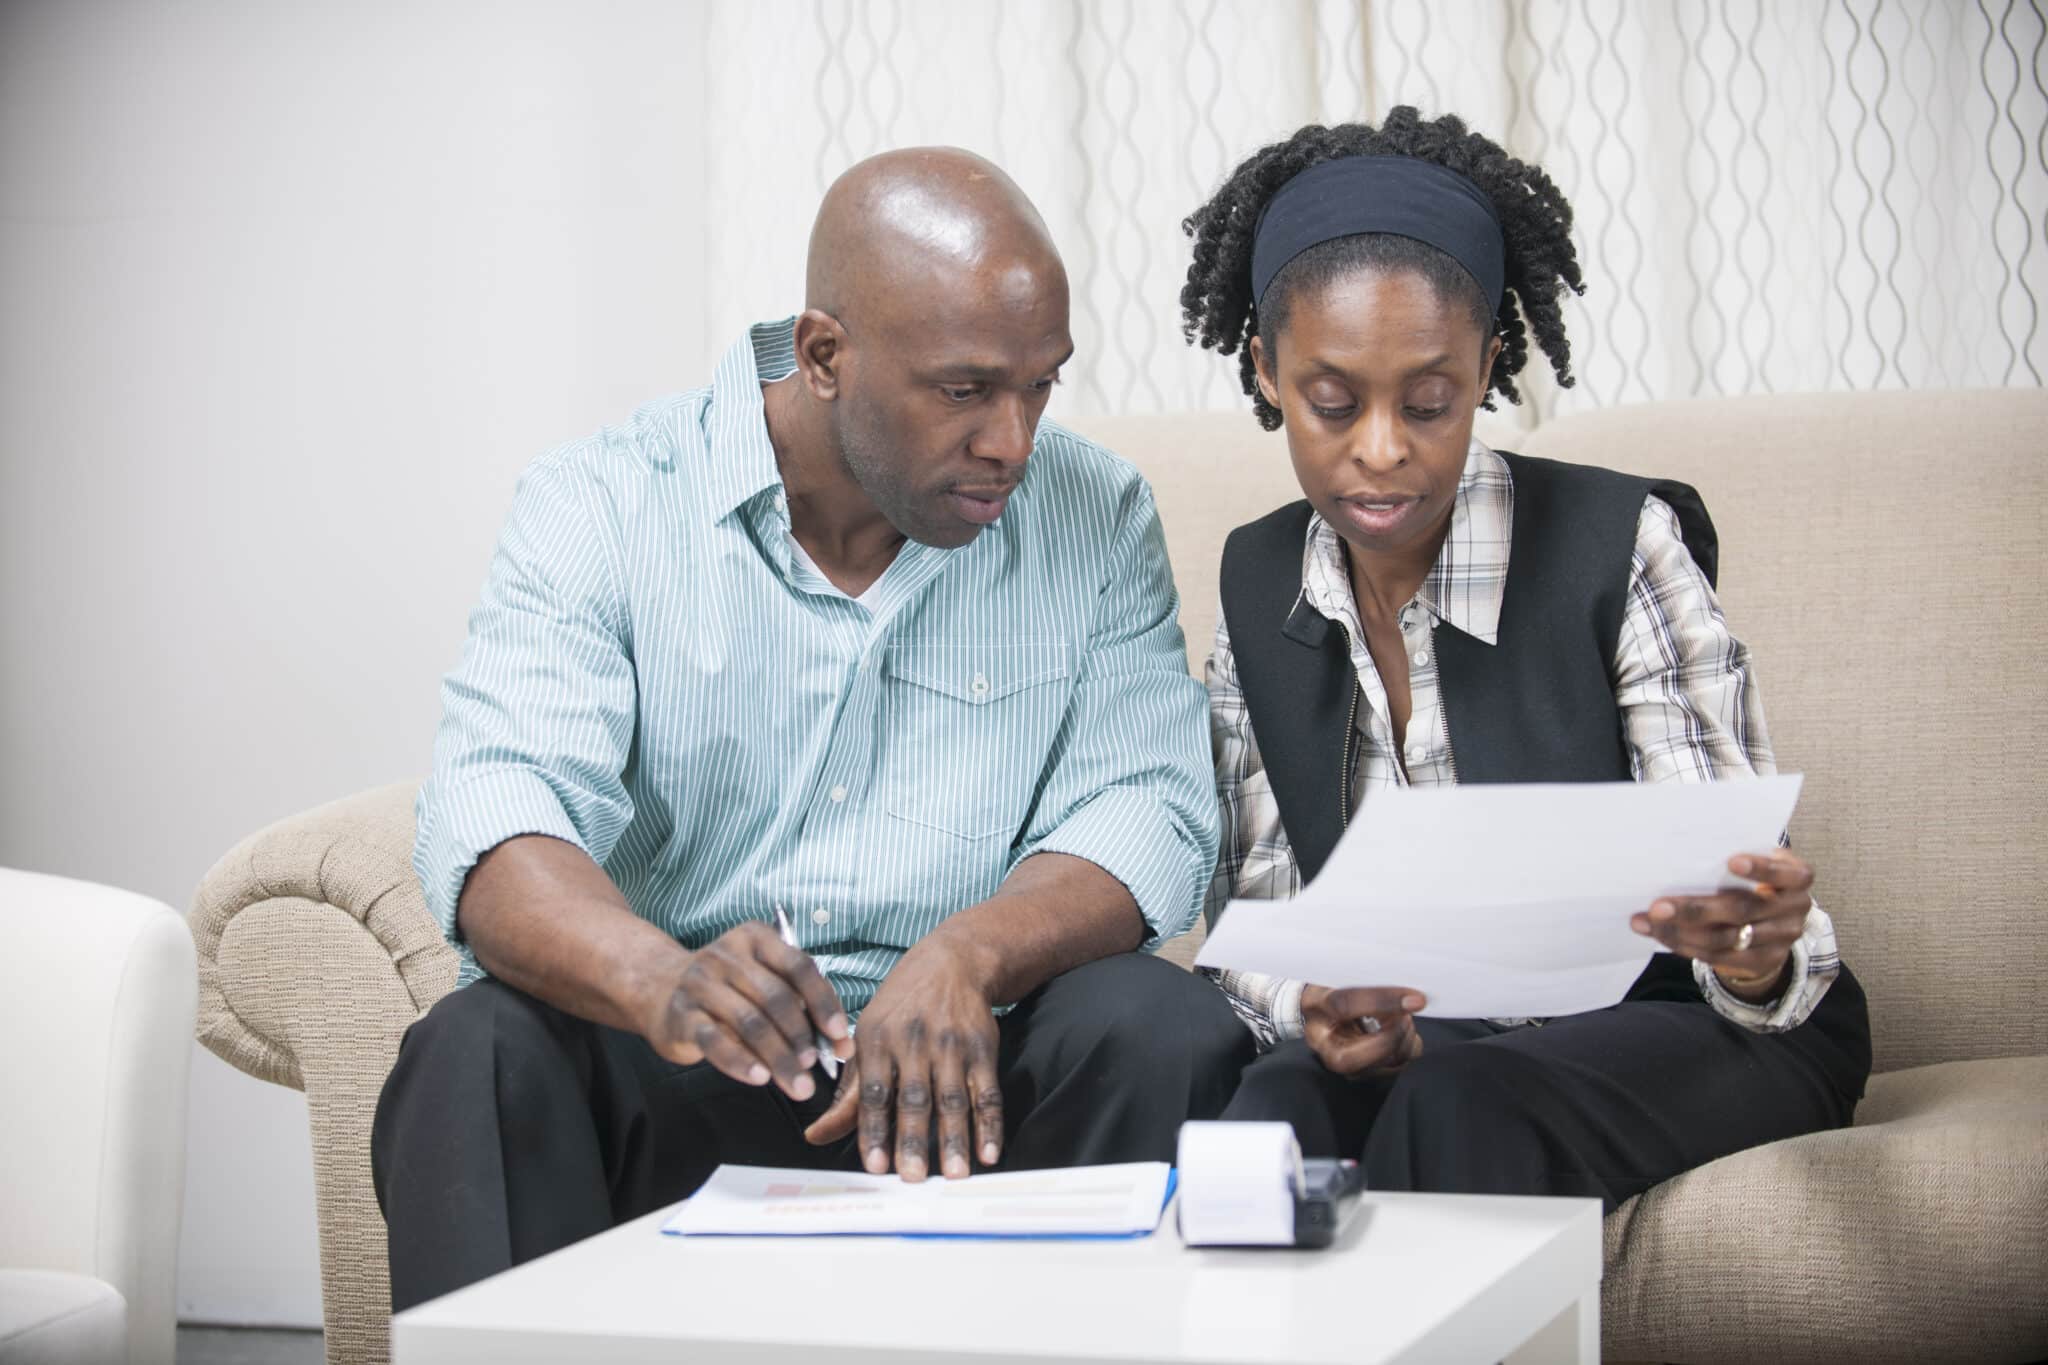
column 1684, row 684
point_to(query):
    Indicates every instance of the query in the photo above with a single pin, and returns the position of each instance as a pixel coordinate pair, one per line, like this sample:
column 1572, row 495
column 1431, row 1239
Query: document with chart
column 1504, row 900
column 1081, row 1201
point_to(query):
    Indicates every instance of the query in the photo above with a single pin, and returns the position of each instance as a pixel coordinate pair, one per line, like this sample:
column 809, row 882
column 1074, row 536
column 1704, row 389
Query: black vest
column 1536, row 706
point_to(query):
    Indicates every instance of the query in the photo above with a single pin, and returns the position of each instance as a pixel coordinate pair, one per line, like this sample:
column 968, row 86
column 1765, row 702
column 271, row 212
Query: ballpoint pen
column 826, row 1057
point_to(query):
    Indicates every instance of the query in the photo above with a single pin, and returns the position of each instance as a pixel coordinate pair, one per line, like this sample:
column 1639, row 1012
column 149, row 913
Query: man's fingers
column 877, row 1105
column 706, row 1029
column 727, row 1002
column 800, row 971
column 672, row 1036
column 837, row 1120
column 985, row 1093
column 776, row 995
column 791, row 1052
column 913, row 1106
column 951, row 1109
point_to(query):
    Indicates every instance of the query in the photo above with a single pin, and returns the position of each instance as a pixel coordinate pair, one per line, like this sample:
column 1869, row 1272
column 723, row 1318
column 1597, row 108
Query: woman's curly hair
column 1536, row 221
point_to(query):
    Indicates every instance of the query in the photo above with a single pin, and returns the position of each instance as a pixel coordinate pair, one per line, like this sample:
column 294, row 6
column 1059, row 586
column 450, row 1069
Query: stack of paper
column 1504, row 900
column 1081, row 1201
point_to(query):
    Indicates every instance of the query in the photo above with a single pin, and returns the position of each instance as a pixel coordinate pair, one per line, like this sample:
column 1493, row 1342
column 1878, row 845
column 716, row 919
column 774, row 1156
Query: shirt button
column 1421, row 657
column 838, row 794
column 821, row 916
column 979, row 686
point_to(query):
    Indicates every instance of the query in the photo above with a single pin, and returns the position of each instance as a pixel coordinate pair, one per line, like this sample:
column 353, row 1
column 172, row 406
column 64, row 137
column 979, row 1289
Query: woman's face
column 1377, row 377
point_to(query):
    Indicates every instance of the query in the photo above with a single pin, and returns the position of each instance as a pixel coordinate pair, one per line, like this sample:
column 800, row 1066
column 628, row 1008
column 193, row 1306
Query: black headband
column 1398, row 194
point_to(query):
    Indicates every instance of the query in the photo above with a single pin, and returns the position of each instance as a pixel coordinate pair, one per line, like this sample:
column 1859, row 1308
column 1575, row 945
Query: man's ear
column 1262, row 364
column 820, row 351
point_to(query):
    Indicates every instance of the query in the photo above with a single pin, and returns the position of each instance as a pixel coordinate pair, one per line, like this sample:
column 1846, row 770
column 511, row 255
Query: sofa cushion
column 1920, row 1225
column 1880, row 553
column 50, row 1318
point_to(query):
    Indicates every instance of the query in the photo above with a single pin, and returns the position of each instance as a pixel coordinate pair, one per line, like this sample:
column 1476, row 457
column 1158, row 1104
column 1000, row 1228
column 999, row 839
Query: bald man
column 849, row 641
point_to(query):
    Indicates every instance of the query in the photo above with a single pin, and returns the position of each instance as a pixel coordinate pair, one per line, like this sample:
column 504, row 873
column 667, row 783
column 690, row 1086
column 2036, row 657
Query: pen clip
column 819, row 1041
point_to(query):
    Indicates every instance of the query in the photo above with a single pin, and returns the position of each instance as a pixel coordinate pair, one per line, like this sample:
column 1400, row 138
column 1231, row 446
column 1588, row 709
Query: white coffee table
column 1438, row 1278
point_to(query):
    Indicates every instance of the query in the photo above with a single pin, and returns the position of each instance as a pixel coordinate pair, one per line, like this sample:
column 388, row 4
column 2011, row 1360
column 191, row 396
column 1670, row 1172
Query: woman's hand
column 1363, row 1028
column 1746, row 937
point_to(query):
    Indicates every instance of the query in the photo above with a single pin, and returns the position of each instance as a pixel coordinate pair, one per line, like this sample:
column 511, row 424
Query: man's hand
column 927, row 1042
column 1362, row 1029
column 748, row 1003
column 1745, row 936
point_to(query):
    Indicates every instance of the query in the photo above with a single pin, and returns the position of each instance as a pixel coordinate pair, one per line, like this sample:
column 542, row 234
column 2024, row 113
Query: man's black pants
column 1603, row 1104
column 509, row 1129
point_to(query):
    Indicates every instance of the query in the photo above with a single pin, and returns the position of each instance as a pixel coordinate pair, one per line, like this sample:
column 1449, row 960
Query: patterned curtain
column 1771, row 194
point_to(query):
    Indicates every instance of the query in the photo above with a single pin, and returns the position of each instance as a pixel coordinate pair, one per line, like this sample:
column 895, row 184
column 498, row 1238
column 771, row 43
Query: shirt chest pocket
column 967, row 732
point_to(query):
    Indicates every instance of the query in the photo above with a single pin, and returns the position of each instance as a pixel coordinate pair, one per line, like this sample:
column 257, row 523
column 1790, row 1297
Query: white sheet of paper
column 1504, row 900
column 772, row 1201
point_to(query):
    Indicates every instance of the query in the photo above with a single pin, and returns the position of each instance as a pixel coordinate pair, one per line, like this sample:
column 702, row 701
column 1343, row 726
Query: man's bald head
column 922, row 226
column 934, row 329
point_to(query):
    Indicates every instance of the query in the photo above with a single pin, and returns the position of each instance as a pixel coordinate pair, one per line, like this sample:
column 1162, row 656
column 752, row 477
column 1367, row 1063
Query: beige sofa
column 1882, row 552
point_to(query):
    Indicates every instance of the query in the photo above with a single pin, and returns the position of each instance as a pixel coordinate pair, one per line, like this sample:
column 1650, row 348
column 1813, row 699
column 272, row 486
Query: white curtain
column 1770, row 194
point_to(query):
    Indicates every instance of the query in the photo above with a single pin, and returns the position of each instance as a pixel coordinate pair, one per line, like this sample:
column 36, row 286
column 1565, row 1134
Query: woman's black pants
column 1603, row 1104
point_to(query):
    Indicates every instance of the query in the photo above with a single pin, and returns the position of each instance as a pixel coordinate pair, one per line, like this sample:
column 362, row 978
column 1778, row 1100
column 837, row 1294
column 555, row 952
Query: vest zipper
column 1350, row 729
column 1443, row 715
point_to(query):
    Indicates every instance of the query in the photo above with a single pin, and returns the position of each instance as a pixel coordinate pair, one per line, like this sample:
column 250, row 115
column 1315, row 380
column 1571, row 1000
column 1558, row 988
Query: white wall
column 288, row 295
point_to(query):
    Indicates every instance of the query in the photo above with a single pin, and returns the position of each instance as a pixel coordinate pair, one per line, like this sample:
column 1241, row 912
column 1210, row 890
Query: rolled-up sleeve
column 537, row 719
column 1128, row 786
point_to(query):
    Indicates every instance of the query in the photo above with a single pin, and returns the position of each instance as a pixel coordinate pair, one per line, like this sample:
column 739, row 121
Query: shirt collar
column 742, row 463
column 1465, row 585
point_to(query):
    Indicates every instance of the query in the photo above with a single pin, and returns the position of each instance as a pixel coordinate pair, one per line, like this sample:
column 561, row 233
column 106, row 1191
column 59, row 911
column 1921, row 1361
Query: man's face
column 941, row 391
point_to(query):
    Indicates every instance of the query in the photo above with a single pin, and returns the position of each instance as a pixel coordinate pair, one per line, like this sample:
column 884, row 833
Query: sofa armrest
column 316, row 953
column 350, row 859
column 1918, row 1234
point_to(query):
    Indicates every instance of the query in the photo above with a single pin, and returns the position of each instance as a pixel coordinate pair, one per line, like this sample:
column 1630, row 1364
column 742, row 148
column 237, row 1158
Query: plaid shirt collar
column 1464, row 586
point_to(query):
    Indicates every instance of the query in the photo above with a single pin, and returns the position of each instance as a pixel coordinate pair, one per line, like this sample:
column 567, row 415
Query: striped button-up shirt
column 654, row 676
column 1683, row 683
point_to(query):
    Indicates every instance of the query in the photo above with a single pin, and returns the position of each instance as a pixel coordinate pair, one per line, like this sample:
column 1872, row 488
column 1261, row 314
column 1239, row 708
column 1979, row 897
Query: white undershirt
column 800, row 555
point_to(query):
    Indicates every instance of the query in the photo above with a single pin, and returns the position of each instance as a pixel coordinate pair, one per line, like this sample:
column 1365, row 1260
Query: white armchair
column 97, row 993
